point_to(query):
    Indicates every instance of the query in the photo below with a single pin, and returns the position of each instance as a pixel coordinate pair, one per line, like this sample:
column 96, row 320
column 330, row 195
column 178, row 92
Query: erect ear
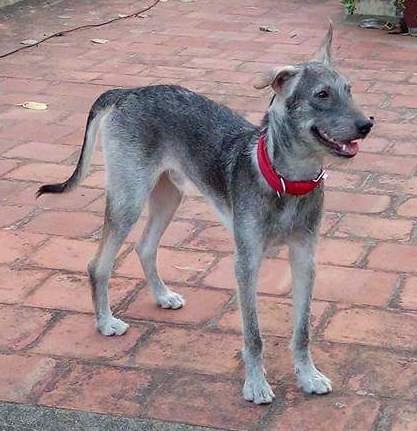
column 276, row 78
column 324, row 54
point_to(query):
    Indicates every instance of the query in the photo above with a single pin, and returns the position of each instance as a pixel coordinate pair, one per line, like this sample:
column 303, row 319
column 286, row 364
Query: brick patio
column 181, row 369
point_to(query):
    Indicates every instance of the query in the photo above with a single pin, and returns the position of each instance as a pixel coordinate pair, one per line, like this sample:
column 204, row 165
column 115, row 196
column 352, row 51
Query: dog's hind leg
column 122, row 211
column 129, row 181
column 310, row 379
column 163, row 202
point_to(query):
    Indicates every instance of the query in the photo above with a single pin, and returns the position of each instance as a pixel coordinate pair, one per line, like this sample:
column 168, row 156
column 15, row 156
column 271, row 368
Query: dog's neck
column 291, row 161
column 291, row 157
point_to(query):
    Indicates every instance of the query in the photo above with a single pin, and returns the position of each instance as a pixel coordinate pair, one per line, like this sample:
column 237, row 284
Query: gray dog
column 265, row 183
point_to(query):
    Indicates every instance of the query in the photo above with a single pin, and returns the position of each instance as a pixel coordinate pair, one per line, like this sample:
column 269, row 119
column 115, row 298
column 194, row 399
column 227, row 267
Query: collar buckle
column 284, row 187
column 321, row 176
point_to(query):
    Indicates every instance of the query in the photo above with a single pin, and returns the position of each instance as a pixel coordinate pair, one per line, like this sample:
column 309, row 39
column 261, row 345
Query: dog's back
column 167, row 125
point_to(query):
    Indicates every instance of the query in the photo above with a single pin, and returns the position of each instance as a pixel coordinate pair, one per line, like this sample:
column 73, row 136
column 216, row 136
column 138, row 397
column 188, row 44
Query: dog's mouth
column 340, row 148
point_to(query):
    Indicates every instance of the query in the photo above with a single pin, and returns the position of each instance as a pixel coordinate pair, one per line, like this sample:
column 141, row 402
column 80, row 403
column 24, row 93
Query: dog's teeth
column 344, row 147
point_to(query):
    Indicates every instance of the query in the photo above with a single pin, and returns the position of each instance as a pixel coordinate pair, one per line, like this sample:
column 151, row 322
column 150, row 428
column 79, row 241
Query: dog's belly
column 185, row 184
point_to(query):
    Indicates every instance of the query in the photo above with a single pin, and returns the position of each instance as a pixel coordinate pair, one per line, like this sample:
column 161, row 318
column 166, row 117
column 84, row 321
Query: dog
column 265, row 182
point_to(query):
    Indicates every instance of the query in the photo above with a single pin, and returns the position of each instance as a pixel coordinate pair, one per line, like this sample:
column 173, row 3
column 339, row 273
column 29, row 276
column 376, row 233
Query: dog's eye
column 323, row 94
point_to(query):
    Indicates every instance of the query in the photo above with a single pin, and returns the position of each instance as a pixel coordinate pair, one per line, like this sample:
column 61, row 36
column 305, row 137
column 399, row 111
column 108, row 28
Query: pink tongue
column 352, row 148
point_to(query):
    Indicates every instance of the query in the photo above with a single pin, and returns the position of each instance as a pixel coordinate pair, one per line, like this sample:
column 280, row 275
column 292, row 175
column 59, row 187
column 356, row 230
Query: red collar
column 279, row 183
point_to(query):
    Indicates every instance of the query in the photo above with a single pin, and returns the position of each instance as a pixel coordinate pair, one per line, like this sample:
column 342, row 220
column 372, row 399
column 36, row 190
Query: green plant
column 400, row 5
column 349, row 5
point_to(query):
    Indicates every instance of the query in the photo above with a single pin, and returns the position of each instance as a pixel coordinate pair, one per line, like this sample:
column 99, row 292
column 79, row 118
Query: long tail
column 103, row 102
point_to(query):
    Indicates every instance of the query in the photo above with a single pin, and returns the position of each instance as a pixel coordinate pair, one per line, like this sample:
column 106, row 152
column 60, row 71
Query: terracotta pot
column 410, row 13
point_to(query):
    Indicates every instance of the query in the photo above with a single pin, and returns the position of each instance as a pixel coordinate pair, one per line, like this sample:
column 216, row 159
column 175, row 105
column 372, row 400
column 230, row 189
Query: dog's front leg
column 256, row 388
column 302, row 262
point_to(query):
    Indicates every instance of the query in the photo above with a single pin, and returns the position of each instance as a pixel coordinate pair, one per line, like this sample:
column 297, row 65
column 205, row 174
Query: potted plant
column 404, row 11
column 410, row 16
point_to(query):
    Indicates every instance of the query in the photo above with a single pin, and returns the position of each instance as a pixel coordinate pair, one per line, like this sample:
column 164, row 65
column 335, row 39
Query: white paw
column 313, row 382
column 258, row 391
column 171, row 299
column 112, row 326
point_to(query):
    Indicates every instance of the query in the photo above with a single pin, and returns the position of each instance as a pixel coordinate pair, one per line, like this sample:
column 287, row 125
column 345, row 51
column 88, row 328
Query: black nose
column 365, row 125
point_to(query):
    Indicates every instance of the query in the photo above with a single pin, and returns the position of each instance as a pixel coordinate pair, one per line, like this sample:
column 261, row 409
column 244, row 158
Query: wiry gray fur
column 156, row 137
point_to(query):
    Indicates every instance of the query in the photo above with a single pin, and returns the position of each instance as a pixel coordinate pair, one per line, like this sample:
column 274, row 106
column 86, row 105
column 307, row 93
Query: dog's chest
column 293, row 216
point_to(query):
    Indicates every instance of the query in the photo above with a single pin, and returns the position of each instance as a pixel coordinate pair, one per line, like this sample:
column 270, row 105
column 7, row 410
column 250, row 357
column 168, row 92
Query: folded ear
column 324, row 54
column 276, row 78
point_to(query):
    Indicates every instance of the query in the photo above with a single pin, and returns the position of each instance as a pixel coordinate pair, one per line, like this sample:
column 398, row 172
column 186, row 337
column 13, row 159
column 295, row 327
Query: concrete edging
column 20, row 417
column 4, row 3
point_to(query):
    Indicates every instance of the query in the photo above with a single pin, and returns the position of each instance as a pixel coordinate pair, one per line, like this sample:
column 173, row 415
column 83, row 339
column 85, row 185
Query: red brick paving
column 222, row 276
column 72, row 292
column 408, row 208
column 20, row 326
column 408, row 298
column 404, row 416
column 99, row 389
column 184, row 365
column 202, row 305
column 338, row 413
column 373, row 327
column 175, row 265
column 79, row 199
column 187, row 349
column 23, row 374
column 89, row 345
column 202, row 400
column 275, row 316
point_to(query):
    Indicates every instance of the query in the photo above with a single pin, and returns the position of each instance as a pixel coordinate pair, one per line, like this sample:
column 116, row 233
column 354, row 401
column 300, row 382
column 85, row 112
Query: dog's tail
column 104, row 102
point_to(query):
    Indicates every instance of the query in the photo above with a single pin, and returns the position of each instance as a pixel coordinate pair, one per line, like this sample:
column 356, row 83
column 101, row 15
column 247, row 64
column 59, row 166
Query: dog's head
column 316, row 103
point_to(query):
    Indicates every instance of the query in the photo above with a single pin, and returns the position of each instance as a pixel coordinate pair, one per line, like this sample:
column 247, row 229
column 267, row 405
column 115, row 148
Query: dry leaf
column 188, row 268
column 99, row 41
column 268, row 29
column 29, row 42
column 35, row 106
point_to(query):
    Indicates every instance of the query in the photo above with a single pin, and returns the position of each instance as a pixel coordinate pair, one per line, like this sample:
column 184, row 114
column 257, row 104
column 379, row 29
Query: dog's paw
column 258, row 391
column 313, row 381
column 171, row 299
column 112, row 326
